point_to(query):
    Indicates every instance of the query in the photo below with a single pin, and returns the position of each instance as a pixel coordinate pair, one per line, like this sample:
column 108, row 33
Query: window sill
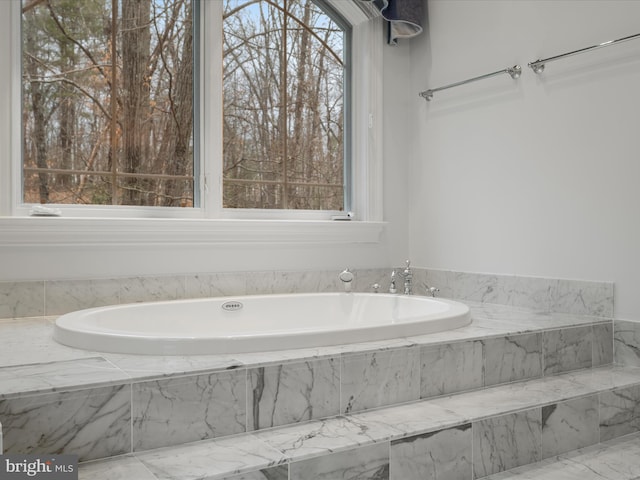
column 60, row 232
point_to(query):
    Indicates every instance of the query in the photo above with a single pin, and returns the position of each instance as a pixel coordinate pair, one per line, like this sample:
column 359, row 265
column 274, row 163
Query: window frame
column 211, row 217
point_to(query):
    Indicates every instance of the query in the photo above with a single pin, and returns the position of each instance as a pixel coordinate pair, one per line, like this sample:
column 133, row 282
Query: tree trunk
column 179, row 131
column 67, row 116
column 136, row 41
column 37, row 106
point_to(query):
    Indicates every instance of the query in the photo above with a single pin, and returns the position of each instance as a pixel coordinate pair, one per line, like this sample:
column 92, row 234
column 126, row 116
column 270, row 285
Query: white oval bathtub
column 256, row 323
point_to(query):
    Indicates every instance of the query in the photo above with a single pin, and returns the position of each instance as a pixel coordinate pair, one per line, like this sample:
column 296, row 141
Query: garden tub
column 254, row 323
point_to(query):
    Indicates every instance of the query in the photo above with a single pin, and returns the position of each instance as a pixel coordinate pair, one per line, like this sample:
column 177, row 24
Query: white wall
column 539, row 176
column 41, row 262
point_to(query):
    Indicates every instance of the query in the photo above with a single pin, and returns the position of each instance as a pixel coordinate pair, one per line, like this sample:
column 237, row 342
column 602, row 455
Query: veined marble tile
column 184, row 409
column 584, row 298
column 376, row 379
column 569, row 425
column 511, row 397
column 120, row 468
column 440, row 455
column 512, row 358
column 626, row 337
column 30, row 340
column 313, row 281
column 538, row 293
column 292, row 393
column 606, row 378
column 478, row 329
column 216, row 285
column 397, row 422
column 464, row 285
column 365, row 279
column 375, row 346
column 529, row 292
column 92, row 423
column 63, row 296
column 619, row 412
column 610, row 461
column 48, row 377
column 274, row 473
column 321, row 437
column 152, row 366
column 263, row 359
column 524, row 320
column 550, row 469
column 567, row 349
column 365, row 463
column 148, row 289
column 450, row 368
column 261, row 283
column 608, row 465
column 508, row 441
column 21, row 299
column 211, row 459
column 602, row 344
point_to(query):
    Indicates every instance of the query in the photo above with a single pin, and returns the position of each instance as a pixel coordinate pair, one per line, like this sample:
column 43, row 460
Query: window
column 284, row 105
column 109, row 89
column 108, row 102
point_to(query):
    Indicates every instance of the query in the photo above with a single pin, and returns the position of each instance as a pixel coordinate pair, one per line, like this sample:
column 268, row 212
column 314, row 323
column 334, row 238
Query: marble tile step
column 468, row 435
column 617, row 459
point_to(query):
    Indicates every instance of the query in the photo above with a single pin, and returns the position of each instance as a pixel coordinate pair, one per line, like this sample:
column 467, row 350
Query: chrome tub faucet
column 407, row 274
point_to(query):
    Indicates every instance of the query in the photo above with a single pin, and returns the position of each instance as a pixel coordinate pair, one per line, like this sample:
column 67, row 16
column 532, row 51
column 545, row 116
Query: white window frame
column 210, row 223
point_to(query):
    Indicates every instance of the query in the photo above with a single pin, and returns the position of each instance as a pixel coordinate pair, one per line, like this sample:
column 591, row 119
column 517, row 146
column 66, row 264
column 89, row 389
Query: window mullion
column 211, row 107
column 284, row 101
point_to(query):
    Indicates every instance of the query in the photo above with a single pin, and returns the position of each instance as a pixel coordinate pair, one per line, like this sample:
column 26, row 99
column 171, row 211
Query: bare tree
column 109, row 103
column 279, row 58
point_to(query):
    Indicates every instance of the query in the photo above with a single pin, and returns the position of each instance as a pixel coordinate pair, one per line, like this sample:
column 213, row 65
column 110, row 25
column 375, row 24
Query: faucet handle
column 346, row 277
column 432, row 290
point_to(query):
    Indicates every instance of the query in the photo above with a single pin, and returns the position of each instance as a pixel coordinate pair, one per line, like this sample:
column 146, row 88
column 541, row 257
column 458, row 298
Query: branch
column 79, row 45
column 32, row 5
column 81, row 89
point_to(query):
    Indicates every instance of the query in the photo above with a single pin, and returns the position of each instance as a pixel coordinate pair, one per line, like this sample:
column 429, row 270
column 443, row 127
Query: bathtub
column 256, row 323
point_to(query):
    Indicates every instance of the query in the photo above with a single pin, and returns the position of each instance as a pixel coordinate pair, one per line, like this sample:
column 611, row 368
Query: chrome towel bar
column 514, row 72
column 538, row 65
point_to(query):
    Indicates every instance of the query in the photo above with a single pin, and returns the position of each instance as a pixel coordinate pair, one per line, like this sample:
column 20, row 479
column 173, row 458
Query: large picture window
column 284, row 106
column 111, row 113
column 108, row 102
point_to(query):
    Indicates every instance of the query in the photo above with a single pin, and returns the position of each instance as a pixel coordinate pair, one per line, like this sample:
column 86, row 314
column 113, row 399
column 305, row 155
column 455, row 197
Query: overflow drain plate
column 232, row 306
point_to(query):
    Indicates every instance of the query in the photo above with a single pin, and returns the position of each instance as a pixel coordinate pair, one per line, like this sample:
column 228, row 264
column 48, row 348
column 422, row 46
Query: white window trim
column 210, row 223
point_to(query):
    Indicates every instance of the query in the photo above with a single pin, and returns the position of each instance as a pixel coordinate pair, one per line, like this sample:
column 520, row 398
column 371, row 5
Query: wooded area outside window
column 110, row 106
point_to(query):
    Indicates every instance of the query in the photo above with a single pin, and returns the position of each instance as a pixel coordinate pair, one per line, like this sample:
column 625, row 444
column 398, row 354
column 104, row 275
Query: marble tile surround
column 626, row 339
column 504, row 442
column 93, row 423
column 186, row 409
column 312, row 390
column 543, row 294
column 371, row 445
column 226, row 396
column 618, row 459
column 55, row 297
column 375, row 377
column 443, row 454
